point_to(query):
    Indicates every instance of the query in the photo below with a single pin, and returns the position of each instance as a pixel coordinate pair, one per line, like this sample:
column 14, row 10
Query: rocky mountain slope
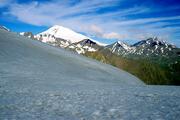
column 144, row 48
column 27, row 34
column 119, row 48
column 84, row 46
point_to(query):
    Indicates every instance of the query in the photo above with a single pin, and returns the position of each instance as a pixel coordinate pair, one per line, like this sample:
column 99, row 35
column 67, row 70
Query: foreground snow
column 38, row 81
column 91, row 103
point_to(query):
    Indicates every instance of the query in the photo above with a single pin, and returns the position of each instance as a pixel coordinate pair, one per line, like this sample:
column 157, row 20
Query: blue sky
column 105, row 20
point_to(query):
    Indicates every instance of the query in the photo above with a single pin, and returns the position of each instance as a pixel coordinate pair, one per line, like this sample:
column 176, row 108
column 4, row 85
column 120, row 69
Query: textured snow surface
column 90, row 103
column 38, row 81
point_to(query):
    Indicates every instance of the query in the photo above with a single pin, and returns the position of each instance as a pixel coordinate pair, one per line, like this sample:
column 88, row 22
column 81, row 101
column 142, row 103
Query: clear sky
column 105, row 20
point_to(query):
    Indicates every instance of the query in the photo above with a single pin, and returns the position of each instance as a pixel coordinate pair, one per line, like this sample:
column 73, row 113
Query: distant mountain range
column 66, row 38
column 150, row 47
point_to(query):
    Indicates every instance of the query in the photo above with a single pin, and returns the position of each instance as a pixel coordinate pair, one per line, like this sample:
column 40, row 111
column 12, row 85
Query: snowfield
column 38, row 81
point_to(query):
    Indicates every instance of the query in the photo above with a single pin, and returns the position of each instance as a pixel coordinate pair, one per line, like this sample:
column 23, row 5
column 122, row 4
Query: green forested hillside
column 149, row 71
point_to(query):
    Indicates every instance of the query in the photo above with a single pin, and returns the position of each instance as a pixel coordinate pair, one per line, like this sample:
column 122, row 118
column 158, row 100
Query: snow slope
column 38, row 81
column 37, row 59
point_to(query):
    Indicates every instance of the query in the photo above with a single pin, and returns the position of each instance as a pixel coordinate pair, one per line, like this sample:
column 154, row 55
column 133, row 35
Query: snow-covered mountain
column 153, row 46
column 61, row 32
column 119, row 48
column 61, row 36
column 84, row 46
column 149, row 47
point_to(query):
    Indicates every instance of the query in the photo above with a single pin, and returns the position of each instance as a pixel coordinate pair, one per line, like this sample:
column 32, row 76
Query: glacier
column 38, row 81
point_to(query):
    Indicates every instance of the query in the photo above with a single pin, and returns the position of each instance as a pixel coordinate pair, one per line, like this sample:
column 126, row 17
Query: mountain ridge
column 63, row 37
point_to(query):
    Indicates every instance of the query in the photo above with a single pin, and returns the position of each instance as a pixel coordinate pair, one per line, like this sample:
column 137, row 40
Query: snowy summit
column 64, row 33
